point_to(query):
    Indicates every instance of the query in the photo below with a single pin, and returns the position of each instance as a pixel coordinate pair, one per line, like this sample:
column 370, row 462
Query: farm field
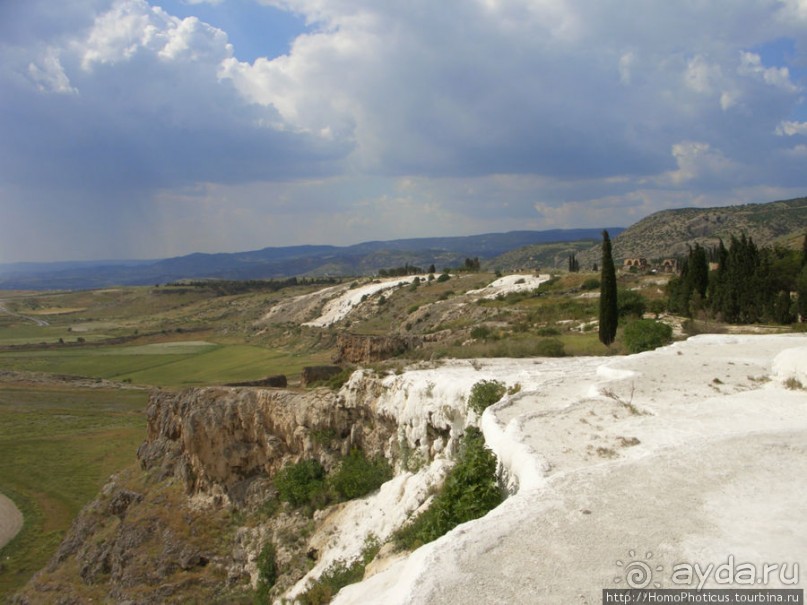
column 166, row 364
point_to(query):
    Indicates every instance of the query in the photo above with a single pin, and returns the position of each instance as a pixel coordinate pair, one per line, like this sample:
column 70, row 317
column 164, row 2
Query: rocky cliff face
column 359, row 348
column 221, row 441
column 188, row 524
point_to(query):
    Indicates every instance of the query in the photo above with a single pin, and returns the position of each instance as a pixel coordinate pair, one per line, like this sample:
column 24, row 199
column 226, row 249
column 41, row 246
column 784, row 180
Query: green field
column 164, row 364
column 58, row 443
column 57, row 448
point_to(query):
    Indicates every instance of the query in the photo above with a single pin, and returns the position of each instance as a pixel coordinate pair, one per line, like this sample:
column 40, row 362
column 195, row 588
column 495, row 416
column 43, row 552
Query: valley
column 123, row 439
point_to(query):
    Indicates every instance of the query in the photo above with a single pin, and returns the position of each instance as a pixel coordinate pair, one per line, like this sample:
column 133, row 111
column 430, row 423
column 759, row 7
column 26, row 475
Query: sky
column 148, row 129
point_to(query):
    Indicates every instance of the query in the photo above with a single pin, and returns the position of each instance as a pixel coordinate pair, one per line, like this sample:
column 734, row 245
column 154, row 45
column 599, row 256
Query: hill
column 670, row 232
column 281, row 262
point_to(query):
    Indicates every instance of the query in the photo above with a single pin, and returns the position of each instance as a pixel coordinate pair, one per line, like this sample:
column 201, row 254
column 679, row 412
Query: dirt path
column 10, row 520
column 37, row 321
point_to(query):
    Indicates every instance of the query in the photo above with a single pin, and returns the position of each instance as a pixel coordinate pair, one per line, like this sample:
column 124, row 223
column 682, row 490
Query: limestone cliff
column 220, row 441
column 362, row 348
column 188, row 524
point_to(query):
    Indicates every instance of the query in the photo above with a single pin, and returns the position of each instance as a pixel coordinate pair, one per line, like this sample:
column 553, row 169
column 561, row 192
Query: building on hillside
column 668, row 265
column 635, row 264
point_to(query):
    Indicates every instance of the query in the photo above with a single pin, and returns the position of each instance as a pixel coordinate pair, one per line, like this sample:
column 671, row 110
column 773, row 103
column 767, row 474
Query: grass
column 59, row 446
column 165, row 364
column 28, row 333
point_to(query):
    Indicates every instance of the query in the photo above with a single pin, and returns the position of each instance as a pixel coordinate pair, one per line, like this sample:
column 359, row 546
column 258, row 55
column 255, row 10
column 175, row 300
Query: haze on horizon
column 147, row 129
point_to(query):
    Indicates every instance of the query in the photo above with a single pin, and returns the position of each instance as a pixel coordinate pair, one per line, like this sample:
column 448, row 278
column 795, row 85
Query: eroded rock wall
column 361, row 348
column 189, row 523
column 220, row 440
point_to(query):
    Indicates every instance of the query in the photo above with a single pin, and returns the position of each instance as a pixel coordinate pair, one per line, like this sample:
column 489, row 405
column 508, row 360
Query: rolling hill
column 669, row 233
column 280, row 262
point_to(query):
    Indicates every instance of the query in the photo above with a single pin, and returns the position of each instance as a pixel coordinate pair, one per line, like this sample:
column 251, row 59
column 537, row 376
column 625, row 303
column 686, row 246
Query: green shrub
column 339, row 574
column 631, row 303
column 267, row 572
column 548, row 331
column 484, row 394
column 592, row 283
column 657, row 307
column 471, row 489
column 443, row 277
column 480, row 332
column 302, row 483
column 357, row 476
column 337, row 381
column 645, row 335
column 549, row 347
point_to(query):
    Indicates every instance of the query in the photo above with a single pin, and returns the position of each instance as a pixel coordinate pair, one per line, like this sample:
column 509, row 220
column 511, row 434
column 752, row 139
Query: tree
column 609, row 306
column 699, row 270
column 687, row 293
column 804, row 251
column 574, row 265
column 801, row 289
column 472, row 264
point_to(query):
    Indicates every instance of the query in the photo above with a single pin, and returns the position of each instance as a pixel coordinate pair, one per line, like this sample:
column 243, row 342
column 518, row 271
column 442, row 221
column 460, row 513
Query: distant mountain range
column 663, row 234
column 281, row 262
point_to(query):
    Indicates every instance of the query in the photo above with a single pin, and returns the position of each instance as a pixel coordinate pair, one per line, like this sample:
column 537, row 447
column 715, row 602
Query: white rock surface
column 694, row 454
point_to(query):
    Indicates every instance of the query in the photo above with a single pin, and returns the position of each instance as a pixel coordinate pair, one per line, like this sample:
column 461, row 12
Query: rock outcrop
column 188, row 523
column 359, row 348
column 312, row 375
column 174, row 530
column 278, row 381
column 219, row 441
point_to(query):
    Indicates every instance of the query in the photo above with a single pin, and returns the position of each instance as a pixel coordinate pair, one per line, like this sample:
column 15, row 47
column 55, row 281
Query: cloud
column 48, row 74
column 524, row 87
column 698, row 161
column 790, row 128
column 751, row 64
column 465, row 115
column 147, row 111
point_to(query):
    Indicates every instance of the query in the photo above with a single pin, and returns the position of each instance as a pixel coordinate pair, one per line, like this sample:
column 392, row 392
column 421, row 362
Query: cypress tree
column 609, row 307
column 574, row 265
column 804, row 251
column 699, row 266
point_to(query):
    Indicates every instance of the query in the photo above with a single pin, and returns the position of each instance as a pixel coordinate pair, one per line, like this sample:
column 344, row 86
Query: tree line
column 746, row 284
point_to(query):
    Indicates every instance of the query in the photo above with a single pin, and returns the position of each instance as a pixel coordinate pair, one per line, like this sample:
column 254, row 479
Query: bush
column 339, row 574
column 484, row 394
column 592, row 283
column 632, row 303
column 480, row 333
column 646, row 335
column 443, row 277
column 357, row 476
column 337, row 381
column 302, row 483
column 267, row 572
column 548, row 331
column 549, row 347
column 471, row 489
